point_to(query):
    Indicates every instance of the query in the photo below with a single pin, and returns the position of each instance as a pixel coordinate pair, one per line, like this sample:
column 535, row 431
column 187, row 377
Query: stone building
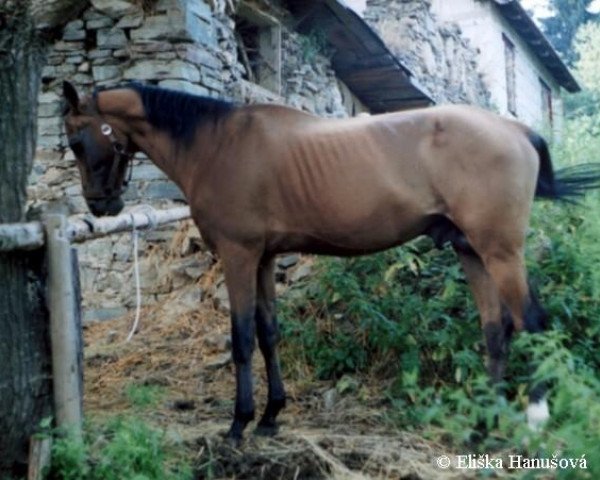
column 316, row 55
column 438, row 55
column 523, row 73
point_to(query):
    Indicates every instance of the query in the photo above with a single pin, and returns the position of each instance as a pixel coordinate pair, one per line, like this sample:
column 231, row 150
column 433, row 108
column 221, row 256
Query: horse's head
column 101, row 152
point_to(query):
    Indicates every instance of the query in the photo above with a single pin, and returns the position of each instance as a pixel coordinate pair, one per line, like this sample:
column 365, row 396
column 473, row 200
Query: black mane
column 177, row 112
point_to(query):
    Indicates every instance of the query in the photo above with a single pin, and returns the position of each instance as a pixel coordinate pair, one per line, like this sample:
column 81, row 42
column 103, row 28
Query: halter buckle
column 106, row 129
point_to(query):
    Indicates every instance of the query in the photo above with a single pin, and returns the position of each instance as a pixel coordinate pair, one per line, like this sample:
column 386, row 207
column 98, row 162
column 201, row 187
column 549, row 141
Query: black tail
column 567, row 183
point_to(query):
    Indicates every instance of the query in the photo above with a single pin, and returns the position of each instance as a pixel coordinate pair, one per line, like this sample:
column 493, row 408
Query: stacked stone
column 175, row 45
column 53, row 175
column 181, row 44
column 439, row 57
column 309, row 77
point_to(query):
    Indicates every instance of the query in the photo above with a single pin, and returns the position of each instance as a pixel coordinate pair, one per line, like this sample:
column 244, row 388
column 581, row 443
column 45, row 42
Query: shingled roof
column 525, row 27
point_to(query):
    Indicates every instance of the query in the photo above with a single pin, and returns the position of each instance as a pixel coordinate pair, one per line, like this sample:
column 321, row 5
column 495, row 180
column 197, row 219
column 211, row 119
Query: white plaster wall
column 358, row 6
column 484, row 26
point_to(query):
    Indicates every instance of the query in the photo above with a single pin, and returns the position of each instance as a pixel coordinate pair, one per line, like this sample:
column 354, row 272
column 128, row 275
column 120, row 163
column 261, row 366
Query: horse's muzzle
column 101, row 207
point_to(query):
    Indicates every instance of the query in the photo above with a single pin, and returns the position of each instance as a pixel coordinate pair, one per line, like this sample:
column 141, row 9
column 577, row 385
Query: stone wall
column 438, row 55
column 181, row 44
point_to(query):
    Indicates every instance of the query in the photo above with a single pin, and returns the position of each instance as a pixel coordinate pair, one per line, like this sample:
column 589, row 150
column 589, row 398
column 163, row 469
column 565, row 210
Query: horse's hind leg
column 268, row 337
column 506, row 266
column 495, row 320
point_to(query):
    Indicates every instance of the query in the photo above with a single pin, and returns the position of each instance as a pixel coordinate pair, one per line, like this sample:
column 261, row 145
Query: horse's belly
column 350, row 233
column 323, row 245
column 361, row 207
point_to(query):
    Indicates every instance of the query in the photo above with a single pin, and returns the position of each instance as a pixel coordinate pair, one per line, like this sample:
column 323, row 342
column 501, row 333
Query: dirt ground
column 185, row 352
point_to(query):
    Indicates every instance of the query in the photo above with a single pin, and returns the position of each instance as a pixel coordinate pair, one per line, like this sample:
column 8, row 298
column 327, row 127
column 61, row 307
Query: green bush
column 382, row 312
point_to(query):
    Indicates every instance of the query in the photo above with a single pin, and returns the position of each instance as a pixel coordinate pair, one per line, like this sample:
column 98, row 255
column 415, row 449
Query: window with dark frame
column 511, row 76
column 547, row 108
column 259, row 46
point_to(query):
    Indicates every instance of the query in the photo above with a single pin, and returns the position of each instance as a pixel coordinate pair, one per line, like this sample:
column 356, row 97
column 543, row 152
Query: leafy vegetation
column 312, row 45
column 144, row 396
column 583, row 107
column 121, row 448
column 564, row 23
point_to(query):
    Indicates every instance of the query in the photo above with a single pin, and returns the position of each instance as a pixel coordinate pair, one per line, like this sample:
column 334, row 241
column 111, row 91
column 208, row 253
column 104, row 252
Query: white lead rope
column 152, row 223
column 138, row 293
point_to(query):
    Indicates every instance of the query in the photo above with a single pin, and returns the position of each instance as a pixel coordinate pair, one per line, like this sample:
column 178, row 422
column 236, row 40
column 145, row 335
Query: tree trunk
column 25, row 378
column 25, row 370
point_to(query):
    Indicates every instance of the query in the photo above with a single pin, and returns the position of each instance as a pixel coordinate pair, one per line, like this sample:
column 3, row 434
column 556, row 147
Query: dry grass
column 310, row 453
column 180, row 348
column 349, row 441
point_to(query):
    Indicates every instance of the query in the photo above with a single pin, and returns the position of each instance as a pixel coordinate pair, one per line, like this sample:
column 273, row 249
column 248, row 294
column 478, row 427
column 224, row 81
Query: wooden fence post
column 65, row 325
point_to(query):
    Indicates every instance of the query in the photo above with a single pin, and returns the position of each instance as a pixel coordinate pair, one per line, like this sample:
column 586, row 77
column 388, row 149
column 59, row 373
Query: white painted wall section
column 483, row 25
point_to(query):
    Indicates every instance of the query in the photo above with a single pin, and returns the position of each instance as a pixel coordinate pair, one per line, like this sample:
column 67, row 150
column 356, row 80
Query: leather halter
column 120, row 155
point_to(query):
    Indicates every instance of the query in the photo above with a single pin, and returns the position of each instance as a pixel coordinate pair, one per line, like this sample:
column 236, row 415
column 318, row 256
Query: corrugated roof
column 524, row 25
column 361, row 59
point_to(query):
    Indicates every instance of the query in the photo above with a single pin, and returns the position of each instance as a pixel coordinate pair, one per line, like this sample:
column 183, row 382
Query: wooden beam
column 65, row 328
column 21, row 236
column 270, row 50
column 255, row 15
column 90, row 227
column 244, row 57
column 29, row 236
column 40, row 452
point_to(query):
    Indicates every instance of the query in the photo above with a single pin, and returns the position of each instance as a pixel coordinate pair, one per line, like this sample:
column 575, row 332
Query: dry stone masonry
column 440, row 58
column 189, row 45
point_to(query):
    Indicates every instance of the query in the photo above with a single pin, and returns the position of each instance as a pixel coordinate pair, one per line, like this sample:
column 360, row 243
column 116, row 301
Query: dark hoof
column 233, row 441
column 266, row 430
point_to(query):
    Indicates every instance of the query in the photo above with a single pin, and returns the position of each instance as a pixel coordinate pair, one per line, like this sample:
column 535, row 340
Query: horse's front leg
column 240, row 265
column 268, row 337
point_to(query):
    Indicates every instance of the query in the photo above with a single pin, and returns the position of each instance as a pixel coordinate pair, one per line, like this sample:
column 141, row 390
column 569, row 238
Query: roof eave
column 519, row 19
column 362, row 60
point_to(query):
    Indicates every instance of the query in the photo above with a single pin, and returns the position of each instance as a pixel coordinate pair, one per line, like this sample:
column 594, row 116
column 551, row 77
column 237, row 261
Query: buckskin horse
column 264, row 179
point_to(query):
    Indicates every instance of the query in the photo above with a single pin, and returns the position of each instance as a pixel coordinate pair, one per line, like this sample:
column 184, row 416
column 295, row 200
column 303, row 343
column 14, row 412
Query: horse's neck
column 163, row 151
column 123, row 109
column 183, row 164
column 167, row 153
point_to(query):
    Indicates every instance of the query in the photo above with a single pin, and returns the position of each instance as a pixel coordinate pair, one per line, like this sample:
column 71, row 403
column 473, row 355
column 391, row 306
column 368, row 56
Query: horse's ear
column 71, row 96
